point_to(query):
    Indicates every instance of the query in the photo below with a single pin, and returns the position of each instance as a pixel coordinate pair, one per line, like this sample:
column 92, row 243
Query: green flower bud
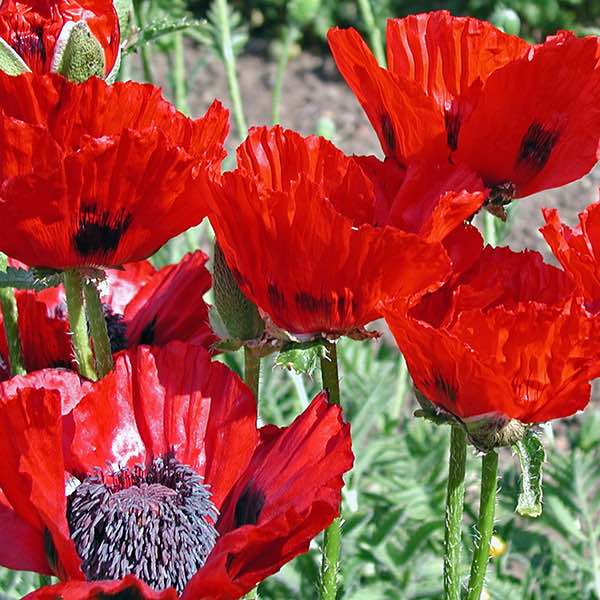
column 239, row 315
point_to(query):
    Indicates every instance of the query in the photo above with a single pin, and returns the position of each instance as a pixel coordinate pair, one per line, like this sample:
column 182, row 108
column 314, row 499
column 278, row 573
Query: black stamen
column 29, row 44
column 117, row 330
column 536, row 146
column 156, row 523
column 99, row 232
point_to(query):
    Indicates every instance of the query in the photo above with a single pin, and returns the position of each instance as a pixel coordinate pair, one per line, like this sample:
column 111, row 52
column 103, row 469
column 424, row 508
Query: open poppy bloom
column 507, row 341
column 35, row 32
column 304, row 230
column 578, row 250
column 524, row 117
column 83, row 186
column 159, row 483
column 141, row 306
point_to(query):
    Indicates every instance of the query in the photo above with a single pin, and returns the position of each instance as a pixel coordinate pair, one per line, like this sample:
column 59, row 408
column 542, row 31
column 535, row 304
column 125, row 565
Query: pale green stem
column 485, row 524
column 179, row 75
column 332, row 541
column 79, row 331
column 98, row 329
column 290, row 35
column 145, row 54
column 10, row 317
column 252, row 370
column 455, row 497
column 374, row 31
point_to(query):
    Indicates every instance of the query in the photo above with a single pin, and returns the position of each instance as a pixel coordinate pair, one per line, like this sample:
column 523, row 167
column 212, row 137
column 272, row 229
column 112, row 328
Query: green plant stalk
column 485, row 524
column 98, row 329
column 145, row 55
column 489, row 228
column 374, row 32
column 179, row 75
column 454, row 511
column 229, row 61
column 79, row 332
column 10, row 317
column 252, row 370
column 332, row 541
column 290, row 35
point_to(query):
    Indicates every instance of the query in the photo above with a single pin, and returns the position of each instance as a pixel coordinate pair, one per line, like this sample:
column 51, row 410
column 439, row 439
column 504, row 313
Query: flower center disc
column 156, row 523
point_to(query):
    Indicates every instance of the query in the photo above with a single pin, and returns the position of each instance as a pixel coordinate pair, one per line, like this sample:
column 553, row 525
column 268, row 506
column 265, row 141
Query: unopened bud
column 78, row 54
column 239, row 315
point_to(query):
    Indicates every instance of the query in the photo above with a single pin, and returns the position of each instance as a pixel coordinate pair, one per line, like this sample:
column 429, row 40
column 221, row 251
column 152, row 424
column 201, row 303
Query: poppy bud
column 239, row 315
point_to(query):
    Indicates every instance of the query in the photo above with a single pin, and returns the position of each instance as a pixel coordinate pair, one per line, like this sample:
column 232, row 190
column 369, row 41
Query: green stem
column 98, row 329
column 485, row 524
column 332, row 541
column 252, row 370
column 145, row 54
column 290, row 35
column 79, row 331
column 374, row 31
column 489, row 228
column 228, row 57
column 179, row 75
column 454, row 510
column 10, row 317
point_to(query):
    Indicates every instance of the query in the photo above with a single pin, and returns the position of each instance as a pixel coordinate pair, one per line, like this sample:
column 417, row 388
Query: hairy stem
column 145, row 54
column 228, row 56
column 374, row 31
column 332, row 541
column 485, row 524
column 252, row 370
column 98, row 329
column 454, row 511
column 10, row 317
column 290, row 35
column 78, row 323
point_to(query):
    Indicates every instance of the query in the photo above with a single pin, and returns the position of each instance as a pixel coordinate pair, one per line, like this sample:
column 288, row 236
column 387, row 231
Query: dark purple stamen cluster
column 117, row 330
column 156, row 523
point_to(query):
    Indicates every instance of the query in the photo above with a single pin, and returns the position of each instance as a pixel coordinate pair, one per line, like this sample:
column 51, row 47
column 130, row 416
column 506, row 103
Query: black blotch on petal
column 249, row 506
column 389, row 135
column 148, row 333
column 308, row 303
column 128, row 594
column 445, row 388
column 536, row 146
column 452, row 122
column 99, row 232
column 276, row 297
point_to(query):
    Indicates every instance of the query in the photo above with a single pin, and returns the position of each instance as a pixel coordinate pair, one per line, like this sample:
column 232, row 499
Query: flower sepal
column 487, row 432
column 10, row 61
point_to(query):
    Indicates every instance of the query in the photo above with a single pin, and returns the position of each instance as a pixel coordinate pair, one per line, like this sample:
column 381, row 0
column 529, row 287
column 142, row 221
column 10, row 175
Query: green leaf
column 34, row 279
column 531, row 455
column 302, row 358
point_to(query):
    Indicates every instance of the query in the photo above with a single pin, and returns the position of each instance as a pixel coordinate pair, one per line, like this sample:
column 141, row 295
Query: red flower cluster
column 35, row 29
column 524, row 117
column 155, row 480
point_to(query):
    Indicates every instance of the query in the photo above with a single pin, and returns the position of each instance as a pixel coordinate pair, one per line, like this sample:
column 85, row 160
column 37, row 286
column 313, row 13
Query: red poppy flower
column 82, row 186
column 35, row 29
column 506, row 341
column 167, row 439
column 304, row 230
column 141, row 306
column 578, row 250
column 525, row 118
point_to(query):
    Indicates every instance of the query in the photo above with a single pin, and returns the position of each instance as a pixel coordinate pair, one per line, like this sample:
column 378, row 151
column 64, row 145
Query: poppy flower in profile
column 523, row 117
column 304, row 230
column 88, row 187
column 142, row 306
column 508, row 341
column 170, row 488
column 37, row 31
column 578, row 250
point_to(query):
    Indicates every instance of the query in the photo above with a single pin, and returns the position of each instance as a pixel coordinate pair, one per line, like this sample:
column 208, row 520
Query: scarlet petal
column 171, row 307
column 543, row 129
column 33, row 473
column 129, row 587
column 289, row 493
column 404, row 118
column 124, row 284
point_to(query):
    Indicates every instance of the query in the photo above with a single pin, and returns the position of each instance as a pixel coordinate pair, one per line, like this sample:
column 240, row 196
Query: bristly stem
column 228, row 57
column 252, row 370
column 485, row 524
column 78, row 323
column 373, row 30
column 290, row 35
column 10, row 317
column 179, row 75
column 98, row 328
column 332, row 541
column 455, row 497
column 145, row 53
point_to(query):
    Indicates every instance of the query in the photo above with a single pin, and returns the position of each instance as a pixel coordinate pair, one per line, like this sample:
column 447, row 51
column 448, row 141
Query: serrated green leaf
column 532, row 455
column 302, row 358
